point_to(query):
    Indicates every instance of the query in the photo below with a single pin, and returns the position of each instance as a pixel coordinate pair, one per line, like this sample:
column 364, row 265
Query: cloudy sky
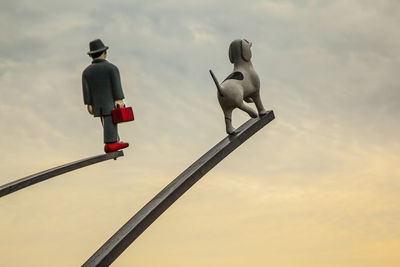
column 319, row 186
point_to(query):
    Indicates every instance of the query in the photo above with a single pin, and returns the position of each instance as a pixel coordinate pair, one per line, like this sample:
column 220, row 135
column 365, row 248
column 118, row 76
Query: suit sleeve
column 117, row 92
column 87, row 98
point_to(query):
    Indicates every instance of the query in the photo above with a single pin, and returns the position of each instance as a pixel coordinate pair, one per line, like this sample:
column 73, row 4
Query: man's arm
column 117, row 92
column 87, row 98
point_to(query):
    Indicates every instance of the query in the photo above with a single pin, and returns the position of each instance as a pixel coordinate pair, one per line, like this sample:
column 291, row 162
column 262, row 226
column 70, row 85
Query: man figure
column 102, row 91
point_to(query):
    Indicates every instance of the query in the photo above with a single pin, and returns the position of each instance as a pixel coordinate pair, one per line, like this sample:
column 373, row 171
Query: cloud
column 328, row 162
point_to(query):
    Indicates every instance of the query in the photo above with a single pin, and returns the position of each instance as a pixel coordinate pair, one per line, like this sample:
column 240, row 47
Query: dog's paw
column 230, row 130
column 236, row 131
column 263, row 112
column 253, row 114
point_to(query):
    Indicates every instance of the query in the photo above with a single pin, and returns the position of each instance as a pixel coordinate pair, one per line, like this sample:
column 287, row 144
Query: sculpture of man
column 102, row 91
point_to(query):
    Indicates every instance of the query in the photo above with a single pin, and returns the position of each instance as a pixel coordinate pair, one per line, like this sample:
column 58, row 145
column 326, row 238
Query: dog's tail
column 216, row 83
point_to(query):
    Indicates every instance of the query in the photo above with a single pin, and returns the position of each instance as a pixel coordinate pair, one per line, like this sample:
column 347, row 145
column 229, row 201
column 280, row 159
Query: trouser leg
column 110, row 130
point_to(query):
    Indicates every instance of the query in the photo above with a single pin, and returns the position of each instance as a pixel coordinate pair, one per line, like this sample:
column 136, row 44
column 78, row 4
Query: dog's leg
column 248, row 109
column 228, row 121
column 257, row 100
column 248, row 99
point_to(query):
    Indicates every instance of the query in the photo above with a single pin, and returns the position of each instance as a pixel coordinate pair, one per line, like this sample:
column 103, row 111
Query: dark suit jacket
column 101, row 86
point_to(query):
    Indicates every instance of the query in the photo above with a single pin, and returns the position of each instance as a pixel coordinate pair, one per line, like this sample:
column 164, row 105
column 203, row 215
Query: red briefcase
column 123, row 114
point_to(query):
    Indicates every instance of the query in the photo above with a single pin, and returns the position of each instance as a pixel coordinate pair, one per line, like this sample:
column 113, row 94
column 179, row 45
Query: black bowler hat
column 96, row 46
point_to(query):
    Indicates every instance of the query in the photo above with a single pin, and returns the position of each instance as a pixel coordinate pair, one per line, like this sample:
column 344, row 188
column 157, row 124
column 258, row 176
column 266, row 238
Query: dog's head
column 240, row 49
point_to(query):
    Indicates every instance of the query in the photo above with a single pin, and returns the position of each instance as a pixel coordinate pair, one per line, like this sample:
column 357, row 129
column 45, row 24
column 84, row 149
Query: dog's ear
column 235, row 50
column 231, row 56
column 245, row 49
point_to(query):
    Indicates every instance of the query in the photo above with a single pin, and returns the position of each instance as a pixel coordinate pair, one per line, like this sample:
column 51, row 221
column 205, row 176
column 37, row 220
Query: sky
column 318, row 186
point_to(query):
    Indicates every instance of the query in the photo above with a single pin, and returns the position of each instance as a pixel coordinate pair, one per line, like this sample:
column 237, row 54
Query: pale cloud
column 201, row 34
column 325, row 170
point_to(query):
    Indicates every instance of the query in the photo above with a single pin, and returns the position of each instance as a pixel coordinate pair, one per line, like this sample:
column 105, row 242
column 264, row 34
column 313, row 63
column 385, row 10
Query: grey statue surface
column 242, row 85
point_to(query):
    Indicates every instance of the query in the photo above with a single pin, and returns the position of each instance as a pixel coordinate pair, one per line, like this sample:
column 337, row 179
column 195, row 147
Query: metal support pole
column 114, row 247
column 44, row 175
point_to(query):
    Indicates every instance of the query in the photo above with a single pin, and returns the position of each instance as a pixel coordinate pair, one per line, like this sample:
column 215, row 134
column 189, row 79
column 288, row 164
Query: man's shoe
column 115, row 146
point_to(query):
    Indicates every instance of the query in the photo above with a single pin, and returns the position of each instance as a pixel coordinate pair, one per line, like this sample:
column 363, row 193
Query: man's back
column 101, row 86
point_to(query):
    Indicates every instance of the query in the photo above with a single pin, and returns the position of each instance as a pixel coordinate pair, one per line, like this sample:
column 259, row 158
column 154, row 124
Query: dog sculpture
column 243, row 84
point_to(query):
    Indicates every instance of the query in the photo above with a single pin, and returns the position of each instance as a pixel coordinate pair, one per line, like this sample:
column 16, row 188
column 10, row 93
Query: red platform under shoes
column 115, row 146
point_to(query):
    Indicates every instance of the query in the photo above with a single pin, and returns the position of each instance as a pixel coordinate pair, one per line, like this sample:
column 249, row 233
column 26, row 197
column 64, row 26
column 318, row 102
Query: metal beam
column 163, row 200
column 44, row 175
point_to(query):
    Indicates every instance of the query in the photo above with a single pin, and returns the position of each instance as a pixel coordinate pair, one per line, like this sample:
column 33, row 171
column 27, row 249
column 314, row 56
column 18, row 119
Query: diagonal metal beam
column 163, row 200
column 44, row 175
